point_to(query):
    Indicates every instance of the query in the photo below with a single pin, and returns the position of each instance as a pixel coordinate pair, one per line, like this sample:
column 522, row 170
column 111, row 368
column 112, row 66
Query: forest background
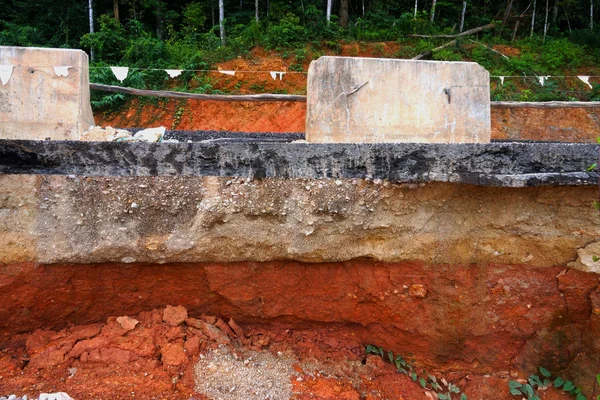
column 530, row 38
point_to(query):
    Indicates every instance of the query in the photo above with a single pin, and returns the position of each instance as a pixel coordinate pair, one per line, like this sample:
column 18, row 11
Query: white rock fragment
column 150, row 134
column 55, row 396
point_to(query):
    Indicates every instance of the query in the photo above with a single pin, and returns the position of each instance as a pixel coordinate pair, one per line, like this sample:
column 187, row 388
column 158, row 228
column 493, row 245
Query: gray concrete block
column 36, row 103
column 366, row 100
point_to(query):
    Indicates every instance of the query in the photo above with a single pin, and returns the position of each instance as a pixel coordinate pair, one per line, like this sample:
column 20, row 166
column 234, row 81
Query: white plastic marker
column 5, row 73
column 173, row 73
column 501, row 80
column 62, row 70
column 275, row 74
column 120, row 72
column 542, row 79
column 586, row 80
column 232, row 73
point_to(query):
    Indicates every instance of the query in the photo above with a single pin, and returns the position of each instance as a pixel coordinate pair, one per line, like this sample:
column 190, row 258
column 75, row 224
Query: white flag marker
column 5, row 73
column 173, row 73
column 120, row 72
column 542, row 79
column 62, row 70
column 275, row 74
column 232, row 73
column 586, row 80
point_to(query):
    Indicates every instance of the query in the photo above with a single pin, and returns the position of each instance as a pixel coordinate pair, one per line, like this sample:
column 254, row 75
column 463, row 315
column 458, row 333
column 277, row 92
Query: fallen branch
column 214, row 97
column 465, row 33
column 489, row 48
column 545, row 104
column 430, row 52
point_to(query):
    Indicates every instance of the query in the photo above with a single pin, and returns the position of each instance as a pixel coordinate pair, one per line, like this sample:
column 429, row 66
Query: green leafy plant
column 535, row 383
column 442, row 388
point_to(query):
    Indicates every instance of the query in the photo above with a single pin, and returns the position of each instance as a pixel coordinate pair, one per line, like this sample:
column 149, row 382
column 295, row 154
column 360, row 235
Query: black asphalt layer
column 198, row 136
column 492, row 164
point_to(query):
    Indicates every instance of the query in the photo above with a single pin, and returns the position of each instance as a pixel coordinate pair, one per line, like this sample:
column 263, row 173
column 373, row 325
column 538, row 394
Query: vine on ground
column 442, row 388
column 534, row 383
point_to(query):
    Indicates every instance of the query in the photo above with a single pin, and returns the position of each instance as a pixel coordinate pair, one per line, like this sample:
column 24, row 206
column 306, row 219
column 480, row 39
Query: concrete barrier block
column 362, row 100
column 37, row 103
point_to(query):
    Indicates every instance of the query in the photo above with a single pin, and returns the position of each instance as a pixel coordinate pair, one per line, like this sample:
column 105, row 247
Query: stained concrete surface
column 36, row 103
column 369, row 100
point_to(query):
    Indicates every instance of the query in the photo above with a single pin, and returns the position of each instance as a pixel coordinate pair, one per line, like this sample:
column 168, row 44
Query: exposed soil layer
column 168, row 354
column 455, row 320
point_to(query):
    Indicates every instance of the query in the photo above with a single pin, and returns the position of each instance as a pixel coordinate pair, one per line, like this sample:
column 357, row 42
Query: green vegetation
column 183, row 34
column 442, row 388
column 535, row 383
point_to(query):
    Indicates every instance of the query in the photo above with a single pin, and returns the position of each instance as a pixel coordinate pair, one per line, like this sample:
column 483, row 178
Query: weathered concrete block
column 36, row 103
column 383, row 100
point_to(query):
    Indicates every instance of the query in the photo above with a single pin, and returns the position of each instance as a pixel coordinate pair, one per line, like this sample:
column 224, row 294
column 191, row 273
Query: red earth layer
column 154, row 359
column 458, row 319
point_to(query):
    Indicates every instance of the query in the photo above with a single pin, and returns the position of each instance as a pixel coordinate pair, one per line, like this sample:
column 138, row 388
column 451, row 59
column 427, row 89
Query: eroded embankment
column 453, row 319
column 466, row 278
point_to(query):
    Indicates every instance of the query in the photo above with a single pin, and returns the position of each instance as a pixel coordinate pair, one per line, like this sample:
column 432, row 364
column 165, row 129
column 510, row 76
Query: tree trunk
column 328, row 12
column 416, row 4
column 507, row 13
column 546, row 21
column 462, row 16
column 222, row 22
column 515, row 30
column 363, row 8
column 433, row 10
column 91, row 17
column 116, row 10
column 256, row 10
column 555, row 12
column 160, row 20
column 533, row 18
column 591, row 15
column 344, row 13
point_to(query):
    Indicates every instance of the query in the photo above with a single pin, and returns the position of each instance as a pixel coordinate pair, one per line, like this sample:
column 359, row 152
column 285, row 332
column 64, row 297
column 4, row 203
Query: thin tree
column 222, row 22
column 533, row 18
column 462, row 16
column 256, row 10
column 116, row 10
column 328, row 13
column 91, row 16
column 416, row 4
column 591, row 15
column 433, row 10
column 344, row 17
column 555, row 12
column 546, row 22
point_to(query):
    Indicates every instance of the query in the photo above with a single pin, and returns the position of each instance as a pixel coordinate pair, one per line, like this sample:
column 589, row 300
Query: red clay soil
column 210, row 115
column 442, row 316
column 152, row 355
